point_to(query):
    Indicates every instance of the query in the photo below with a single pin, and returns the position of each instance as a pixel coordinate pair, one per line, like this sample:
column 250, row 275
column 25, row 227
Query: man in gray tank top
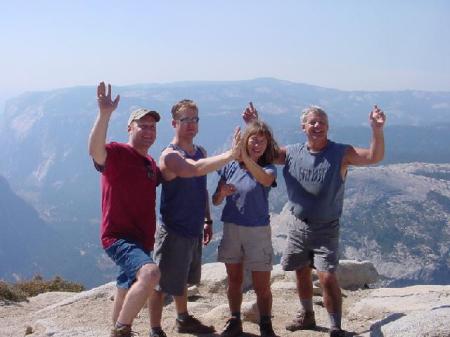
column 185, row 222
column 315, row 175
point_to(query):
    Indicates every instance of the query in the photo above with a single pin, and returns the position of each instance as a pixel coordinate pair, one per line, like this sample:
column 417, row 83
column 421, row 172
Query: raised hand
column 377, row 118
column 236, row 144
column 249, row 114
column 105, row 104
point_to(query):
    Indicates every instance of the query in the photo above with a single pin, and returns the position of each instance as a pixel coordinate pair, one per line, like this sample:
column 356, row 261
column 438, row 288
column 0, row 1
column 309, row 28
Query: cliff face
column 396, row 216
column 25, row 238
column 387, row 312
column 30, row 246
column 399, row 218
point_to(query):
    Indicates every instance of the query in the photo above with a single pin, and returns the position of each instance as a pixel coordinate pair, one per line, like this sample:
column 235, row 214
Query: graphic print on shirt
column 314, row 175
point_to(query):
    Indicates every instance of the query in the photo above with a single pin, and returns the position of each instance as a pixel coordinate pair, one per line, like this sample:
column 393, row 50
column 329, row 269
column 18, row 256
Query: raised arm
column 173, row 164
column 281, row 156
column 249, row 114
column 375, row 152
column 97, row 137
column 262, row 176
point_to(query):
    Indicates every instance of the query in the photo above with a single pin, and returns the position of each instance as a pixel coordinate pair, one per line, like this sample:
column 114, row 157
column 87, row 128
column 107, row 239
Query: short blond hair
column 184, row 104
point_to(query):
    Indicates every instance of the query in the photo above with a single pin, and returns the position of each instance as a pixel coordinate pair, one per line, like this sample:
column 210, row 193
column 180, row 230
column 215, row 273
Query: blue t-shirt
column 314, row 183
column 183, row 201
column 249, row 205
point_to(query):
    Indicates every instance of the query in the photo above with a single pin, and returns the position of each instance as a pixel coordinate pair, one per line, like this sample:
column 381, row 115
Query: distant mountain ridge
column 29, row 246
column 44, row 137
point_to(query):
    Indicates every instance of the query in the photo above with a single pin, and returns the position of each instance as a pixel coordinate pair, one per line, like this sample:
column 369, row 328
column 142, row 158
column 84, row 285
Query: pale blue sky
column 352, row 45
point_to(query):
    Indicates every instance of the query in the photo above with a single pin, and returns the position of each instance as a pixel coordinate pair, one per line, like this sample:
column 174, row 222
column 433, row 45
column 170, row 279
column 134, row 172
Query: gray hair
column 313, row 109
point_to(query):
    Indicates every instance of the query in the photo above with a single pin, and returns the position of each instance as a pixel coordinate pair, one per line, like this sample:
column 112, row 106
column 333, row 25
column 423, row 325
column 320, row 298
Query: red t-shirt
column 128, row 185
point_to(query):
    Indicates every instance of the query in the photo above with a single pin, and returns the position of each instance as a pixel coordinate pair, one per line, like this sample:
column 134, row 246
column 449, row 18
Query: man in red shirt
column 129, row 180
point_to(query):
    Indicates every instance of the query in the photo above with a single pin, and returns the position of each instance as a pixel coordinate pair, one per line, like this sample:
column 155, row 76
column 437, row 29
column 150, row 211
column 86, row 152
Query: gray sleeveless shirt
column 313, row 181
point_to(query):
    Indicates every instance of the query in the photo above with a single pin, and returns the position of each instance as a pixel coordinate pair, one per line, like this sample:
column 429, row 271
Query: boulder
column 221, row 312
column 105, row 291
column 292, row 286
column 214, row 277
column 433, row 323
column 193, row 291
column 356, row 274
column 250, row 312
column 410, row 311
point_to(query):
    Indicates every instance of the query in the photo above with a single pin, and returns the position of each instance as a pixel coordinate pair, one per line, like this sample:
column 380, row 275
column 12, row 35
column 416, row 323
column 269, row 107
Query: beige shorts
column 249, row 245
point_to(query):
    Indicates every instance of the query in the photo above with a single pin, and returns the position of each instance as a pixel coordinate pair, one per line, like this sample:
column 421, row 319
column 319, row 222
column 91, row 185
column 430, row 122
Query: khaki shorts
column 249, row 245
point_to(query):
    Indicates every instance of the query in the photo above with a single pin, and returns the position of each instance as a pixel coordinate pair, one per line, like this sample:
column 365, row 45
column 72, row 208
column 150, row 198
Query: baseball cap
column 141, row 112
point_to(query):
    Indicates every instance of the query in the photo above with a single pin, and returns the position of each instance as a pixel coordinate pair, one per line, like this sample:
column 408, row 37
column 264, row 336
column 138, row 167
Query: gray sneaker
column 233, row 328
column 304, row 320
column 192, row 325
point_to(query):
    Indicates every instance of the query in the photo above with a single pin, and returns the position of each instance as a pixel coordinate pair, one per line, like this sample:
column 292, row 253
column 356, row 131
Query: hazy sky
column 363, row 45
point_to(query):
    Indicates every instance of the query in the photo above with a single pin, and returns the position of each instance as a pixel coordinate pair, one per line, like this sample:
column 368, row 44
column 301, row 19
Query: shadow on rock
column 375, row 329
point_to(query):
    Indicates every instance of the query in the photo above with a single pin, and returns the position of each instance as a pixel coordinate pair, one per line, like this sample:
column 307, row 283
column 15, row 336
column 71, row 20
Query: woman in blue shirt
column 245, row 185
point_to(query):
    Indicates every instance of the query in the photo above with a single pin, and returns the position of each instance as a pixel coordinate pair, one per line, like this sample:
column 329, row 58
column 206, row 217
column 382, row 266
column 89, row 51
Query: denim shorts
column 129, row 257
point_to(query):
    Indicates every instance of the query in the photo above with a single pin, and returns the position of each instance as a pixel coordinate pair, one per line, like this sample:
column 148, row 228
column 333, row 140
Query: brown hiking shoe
column 159, row 333
column 123, row 331
column 266, row 330
column 303, row 321
column 337, row 333
column 192, row 325
column 233, row 328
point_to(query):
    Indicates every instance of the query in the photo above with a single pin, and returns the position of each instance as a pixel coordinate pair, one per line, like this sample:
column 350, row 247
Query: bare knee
column 304, row 281
column 261, row 283
column 149, row 275
column 262, row 290
column 304, row 274
column 235, row 280
column 328, row 281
